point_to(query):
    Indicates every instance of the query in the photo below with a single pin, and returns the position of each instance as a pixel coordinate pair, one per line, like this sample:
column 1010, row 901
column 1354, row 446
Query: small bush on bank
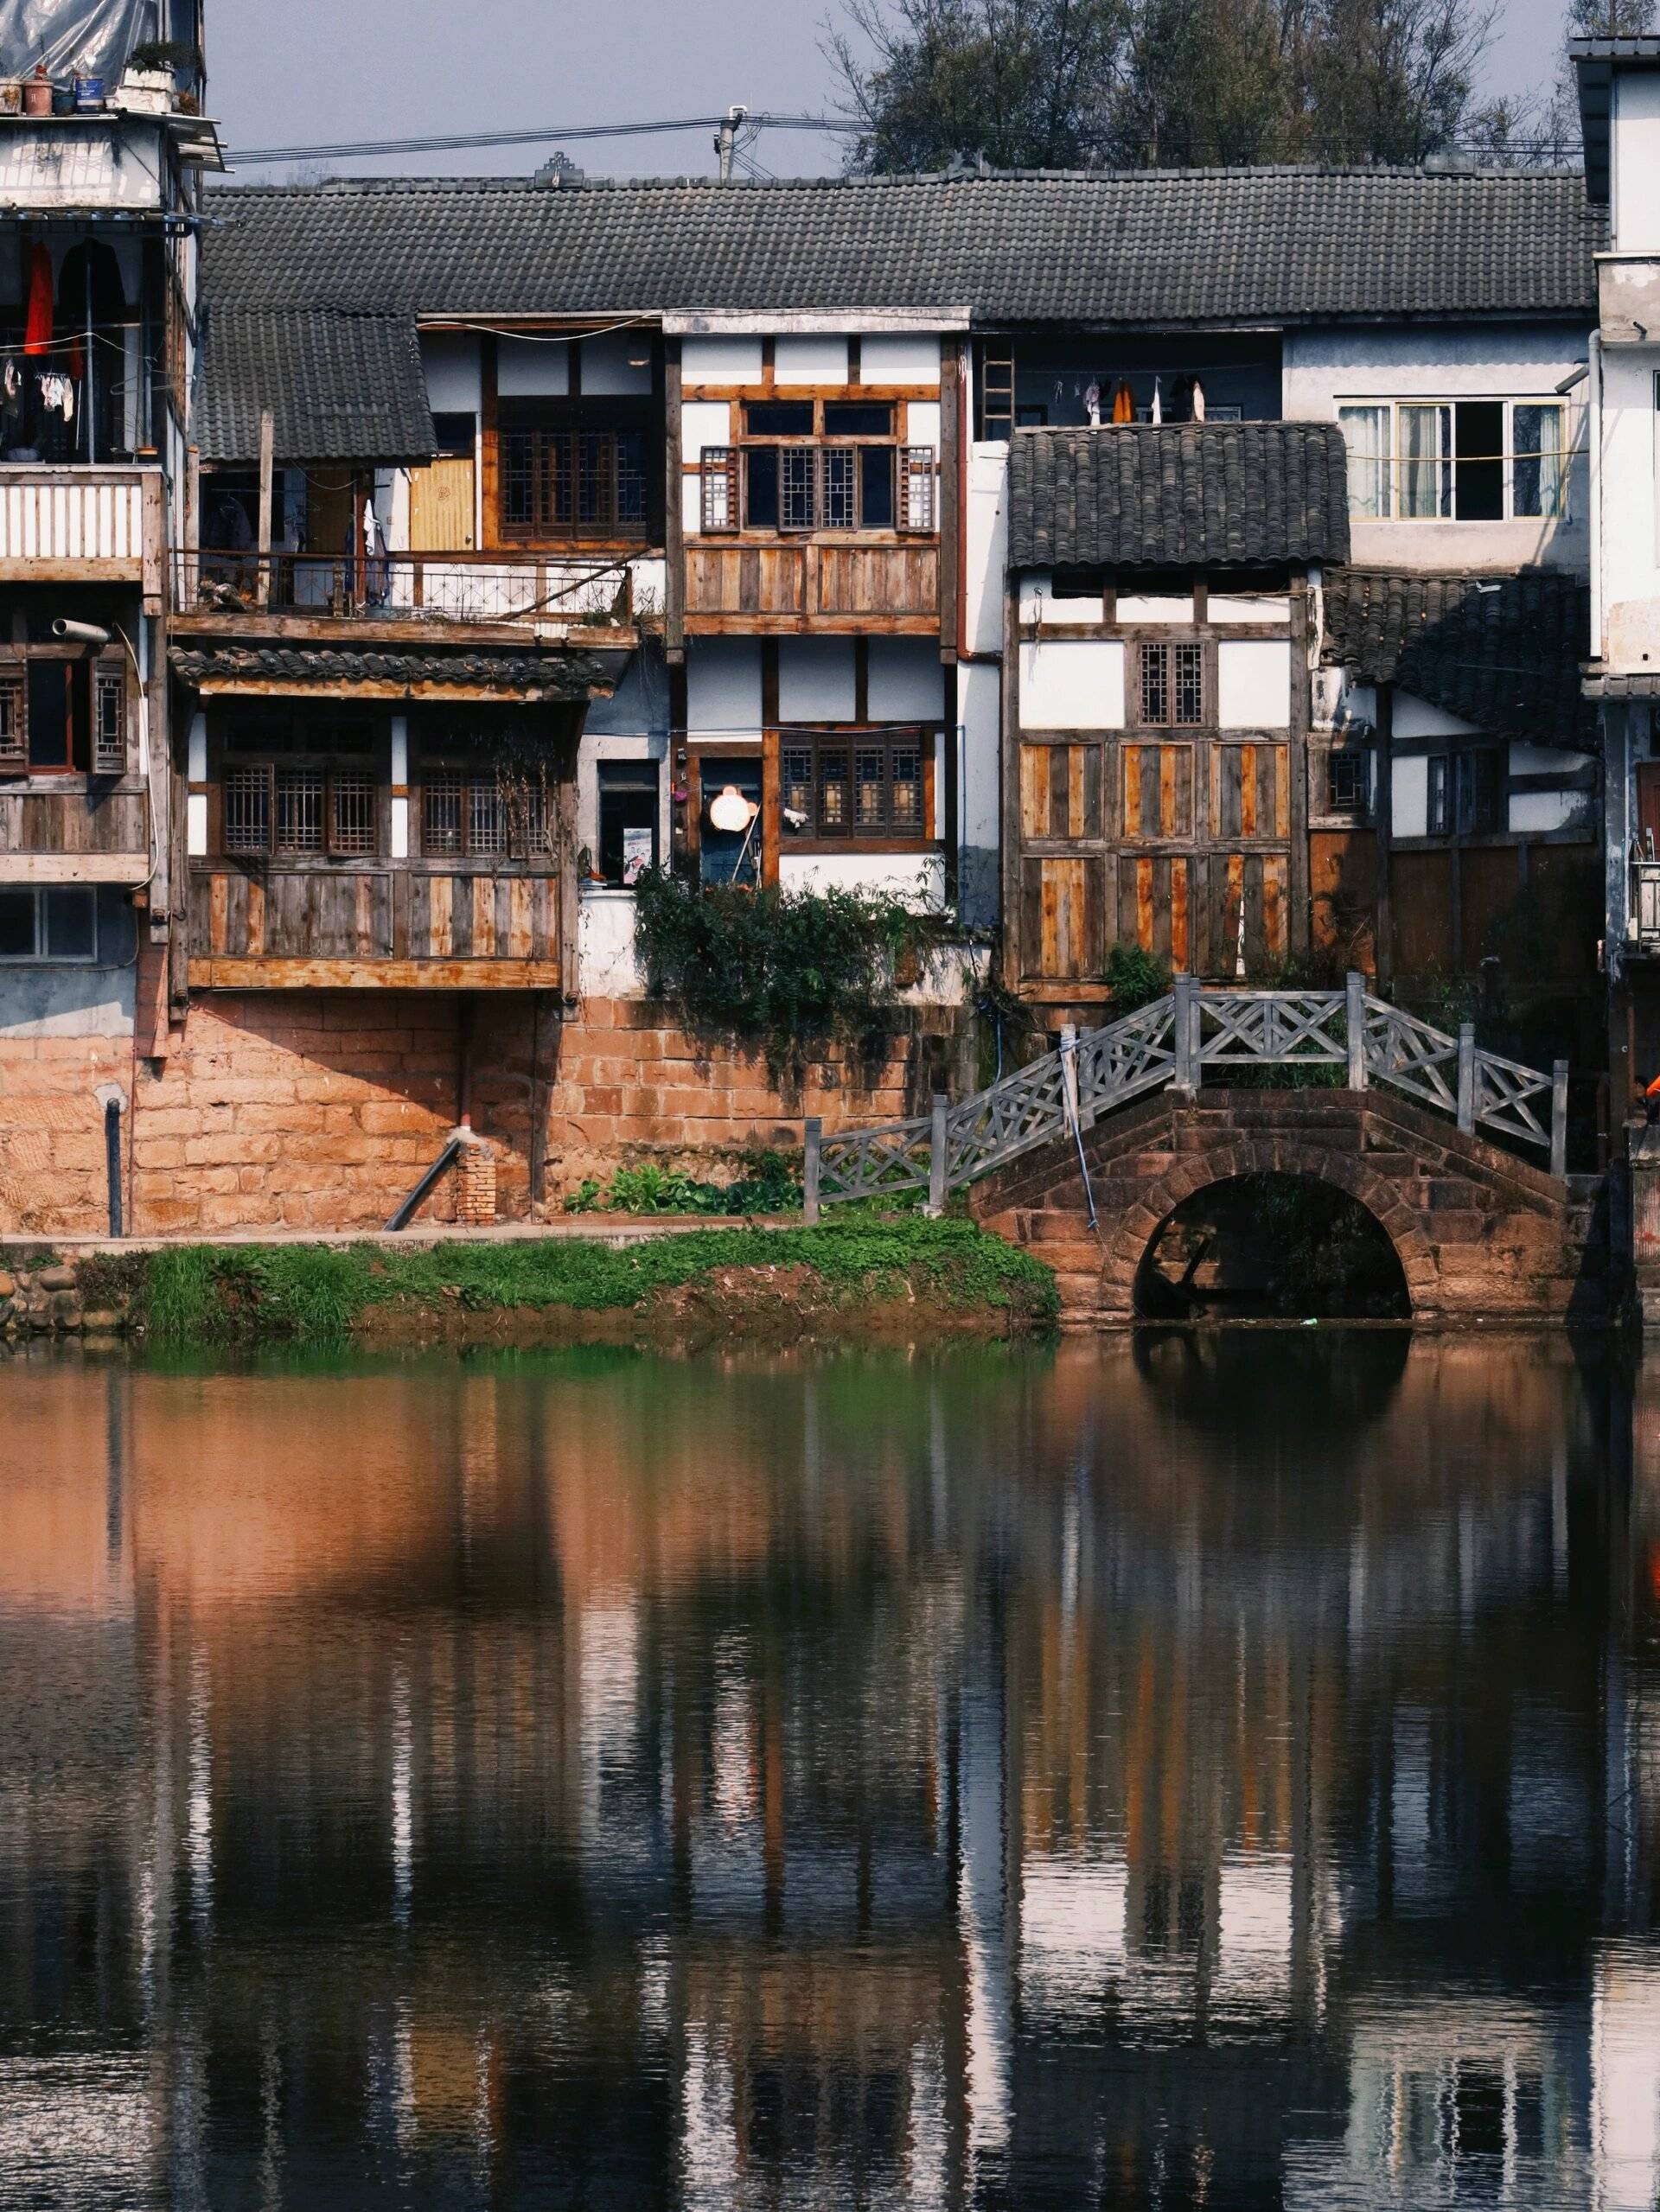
column 767, row 1185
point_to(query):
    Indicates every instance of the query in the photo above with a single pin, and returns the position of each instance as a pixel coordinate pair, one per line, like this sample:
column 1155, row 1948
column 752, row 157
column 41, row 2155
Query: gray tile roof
column 1192, row 494
column 1501, row 652
column 340, row 387
column 1152, row 248
column 331, row 669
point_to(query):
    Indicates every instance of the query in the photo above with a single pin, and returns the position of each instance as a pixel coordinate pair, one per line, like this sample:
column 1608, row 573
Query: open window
column 628, row 820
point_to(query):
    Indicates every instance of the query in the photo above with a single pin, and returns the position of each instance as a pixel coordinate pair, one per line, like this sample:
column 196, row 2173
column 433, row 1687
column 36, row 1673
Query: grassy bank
column 836, row 1273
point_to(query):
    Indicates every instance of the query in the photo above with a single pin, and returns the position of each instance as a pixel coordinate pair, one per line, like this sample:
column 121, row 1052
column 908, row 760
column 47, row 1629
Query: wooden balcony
column 385, row 925
column 414, row 597
column 83, row 526
column 74, row 829
column 814, row 583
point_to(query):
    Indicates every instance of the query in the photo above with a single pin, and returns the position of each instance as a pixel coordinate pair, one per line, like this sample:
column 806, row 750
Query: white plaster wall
column 1416, row 718
column 453, row 379
column 532, row 368
column 985, row 548
column 1538, row 811
column 815, row 679
column 608, row 966
column 818, row 359
column 1072, row 684
column 704, row 422
column 616, row 364
column 1636, row 148
column 720, row 361
column 916, row 877
column 1254, row 683
column 1327, row 367
column 1631, row 507
column 1249, row 606
column 906, row 680
column 722, row 687
column 1409, row 811
column 1154, row 607
column 922, row 423
column 899, row 357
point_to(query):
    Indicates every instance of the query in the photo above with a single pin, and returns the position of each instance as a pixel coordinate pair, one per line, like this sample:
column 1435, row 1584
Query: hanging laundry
column 1157, row 403
column 12, row 379
column 1199, row 401
column 37, row 327
column 1123, row 403
column 1092, row 405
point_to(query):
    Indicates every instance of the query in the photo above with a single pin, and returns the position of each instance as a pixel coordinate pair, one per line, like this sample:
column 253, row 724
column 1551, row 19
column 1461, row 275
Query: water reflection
column 1221, row 1773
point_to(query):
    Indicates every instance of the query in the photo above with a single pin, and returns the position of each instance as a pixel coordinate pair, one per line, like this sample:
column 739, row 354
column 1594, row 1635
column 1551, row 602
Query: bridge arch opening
column 1271, row 1246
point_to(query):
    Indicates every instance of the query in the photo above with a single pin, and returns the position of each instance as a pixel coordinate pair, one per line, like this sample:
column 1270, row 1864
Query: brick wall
column 320, row 1110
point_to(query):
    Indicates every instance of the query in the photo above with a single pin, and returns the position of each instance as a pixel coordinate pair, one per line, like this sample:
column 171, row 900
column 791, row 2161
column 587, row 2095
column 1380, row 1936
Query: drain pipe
column 113, row 1100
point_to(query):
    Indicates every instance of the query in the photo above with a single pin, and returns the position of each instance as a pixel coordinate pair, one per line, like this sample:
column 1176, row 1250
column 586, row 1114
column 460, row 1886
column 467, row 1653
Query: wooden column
column 674, row 506
column 951, row 497
column 1009, row 826
column 1384, row 927
column 262, row 584
column 1296, row 867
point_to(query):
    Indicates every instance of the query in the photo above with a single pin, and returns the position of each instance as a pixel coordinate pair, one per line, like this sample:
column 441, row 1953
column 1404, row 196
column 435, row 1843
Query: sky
column 284, row 72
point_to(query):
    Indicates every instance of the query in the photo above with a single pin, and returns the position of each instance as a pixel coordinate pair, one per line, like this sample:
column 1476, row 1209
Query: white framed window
column 59, row 924
column 1472, row 459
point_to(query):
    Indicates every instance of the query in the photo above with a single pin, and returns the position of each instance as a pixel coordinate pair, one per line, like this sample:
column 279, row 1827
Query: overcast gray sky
column 308, row 71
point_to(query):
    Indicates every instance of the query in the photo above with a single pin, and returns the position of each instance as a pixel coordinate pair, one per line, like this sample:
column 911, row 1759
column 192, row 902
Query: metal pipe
column 440, row 1166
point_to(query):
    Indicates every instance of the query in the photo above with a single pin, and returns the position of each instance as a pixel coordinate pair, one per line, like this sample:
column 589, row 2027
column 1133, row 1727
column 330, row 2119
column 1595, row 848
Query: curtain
column 1366, row 433
column 1537, row 460
column 1426, row 442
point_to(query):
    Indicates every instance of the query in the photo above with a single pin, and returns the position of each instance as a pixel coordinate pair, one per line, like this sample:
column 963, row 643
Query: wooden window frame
column 336, row 768
column 845, row 742
column 1358, row 809
column 14, row 717
column 85, row 754
column 439, row 769
column 1466, row 775
column 916, row 497
column 1140, row 649
column 1394, row 461
column 720, row 485
column 577, row 419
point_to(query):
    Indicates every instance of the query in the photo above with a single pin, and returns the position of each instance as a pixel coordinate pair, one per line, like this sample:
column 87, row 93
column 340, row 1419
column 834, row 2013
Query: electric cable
column 460, row 142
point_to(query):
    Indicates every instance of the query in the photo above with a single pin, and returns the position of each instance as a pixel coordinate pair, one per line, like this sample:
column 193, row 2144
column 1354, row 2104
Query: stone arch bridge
column 1428, row 1133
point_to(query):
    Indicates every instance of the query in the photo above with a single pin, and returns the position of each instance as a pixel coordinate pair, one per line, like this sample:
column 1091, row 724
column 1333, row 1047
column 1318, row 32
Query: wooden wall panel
column 1156, row 794
column 1060, row 791
column 1421, row 888
column 1342, row 886
column 321, row 915
column 1064, row 917
column 1250, row 792
column 1491, row 878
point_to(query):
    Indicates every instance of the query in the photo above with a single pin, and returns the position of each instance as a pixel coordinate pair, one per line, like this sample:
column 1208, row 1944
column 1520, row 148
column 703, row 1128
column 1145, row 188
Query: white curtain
column 1538, row 462
column 1366, row 433
column 1425, row 437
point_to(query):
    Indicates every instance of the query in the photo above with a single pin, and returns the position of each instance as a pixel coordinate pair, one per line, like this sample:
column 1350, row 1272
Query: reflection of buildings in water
column 945, row 1740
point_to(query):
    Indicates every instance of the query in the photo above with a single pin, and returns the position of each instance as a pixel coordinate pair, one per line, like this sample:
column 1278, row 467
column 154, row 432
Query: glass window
column 1538, row 466
column 1366, row 433
column 778, row 417
column 857, row 418
column 1478, row 447
column 71, row 931
column 867, row 784
column 875, row 486
column 1424, row 441
column 17, row 910
column 628, row 819
column 761, row 487
column 730, row 856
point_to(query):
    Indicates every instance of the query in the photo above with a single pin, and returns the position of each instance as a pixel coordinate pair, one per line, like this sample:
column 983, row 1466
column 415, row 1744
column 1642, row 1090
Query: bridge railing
column 1168, row 1045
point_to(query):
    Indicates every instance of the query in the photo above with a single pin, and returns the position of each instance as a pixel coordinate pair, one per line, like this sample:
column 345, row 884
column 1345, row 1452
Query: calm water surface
column 1218, row 1772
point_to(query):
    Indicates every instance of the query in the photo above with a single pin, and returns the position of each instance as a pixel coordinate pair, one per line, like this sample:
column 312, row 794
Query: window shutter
column 719, row 489
column 14, row 716
column 110, row 720
column 916, row 488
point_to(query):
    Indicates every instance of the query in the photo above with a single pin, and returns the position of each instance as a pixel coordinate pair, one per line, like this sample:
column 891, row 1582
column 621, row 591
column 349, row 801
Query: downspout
column 1593, row 457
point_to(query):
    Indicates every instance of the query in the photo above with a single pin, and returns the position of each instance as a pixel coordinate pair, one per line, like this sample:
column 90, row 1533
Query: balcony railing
column 533, row 589
column 104, row 525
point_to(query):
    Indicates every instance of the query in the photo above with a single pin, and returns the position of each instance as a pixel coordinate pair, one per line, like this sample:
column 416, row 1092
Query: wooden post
column 1184, row 991
column 1355, row 1022
column 810, row 1168
column 1467, row 1078
column 1558, row 1118
column 1070, row 1071
column 936, row 1159
column 262, row 586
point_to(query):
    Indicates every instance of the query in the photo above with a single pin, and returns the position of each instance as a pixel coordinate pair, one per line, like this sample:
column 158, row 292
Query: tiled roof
column 1501, row 652
column 340, row 387
column 1159, row 248
column 554, row 674
column 1192, row 494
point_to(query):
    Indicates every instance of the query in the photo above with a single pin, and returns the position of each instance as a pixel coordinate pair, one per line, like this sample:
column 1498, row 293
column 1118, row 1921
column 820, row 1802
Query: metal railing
column 1168, row 1046
column 493, row 587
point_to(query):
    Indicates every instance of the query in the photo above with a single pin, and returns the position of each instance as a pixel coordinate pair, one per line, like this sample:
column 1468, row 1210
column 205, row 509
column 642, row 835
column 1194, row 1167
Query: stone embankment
column 53, row 1299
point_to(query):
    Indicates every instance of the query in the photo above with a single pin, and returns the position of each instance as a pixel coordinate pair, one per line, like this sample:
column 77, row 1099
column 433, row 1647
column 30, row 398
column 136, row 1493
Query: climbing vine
column 789, row 969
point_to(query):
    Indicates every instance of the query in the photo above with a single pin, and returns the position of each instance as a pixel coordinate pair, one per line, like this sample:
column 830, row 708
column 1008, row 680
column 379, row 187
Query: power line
column 362, row 149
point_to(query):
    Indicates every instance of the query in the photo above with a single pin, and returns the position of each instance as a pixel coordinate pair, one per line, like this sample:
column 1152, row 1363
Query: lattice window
column 838, row 501
column 797, row 484
column 1171, row 685
column 719, row 480
column 916, row 488
column 487, row 821
column 299, row 815
column 582, row 479
column 442, row 815
column 352, row 828
column 110, row 722
column 866, row 784
column 247, row 826
column 13, row 719
column 1348, row 781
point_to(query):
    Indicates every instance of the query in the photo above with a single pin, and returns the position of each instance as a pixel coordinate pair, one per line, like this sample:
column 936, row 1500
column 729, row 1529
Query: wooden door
column 441, row 507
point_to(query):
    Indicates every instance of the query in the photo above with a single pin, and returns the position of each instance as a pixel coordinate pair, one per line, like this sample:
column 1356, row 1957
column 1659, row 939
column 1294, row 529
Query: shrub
column 1135, row 978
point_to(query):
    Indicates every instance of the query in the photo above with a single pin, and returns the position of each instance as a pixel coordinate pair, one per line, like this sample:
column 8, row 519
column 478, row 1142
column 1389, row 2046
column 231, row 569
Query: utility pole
column 726, row 141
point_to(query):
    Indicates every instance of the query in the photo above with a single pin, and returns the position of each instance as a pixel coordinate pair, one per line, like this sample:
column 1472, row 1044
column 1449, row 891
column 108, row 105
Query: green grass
column 199, row 1294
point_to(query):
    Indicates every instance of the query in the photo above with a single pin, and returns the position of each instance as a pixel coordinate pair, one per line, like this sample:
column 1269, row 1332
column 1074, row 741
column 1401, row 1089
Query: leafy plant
column 1135, row 978
column 789, row 968
column 585, row 1198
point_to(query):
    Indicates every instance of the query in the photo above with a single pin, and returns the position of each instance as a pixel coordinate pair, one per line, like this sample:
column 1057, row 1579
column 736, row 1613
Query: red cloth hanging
column 1123, row 403
column 37, row 330
column 77, row 360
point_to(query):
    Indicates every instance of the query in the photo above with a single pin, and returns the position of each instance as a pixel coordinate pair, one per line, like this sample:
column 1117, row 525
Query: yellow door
column 441, row 507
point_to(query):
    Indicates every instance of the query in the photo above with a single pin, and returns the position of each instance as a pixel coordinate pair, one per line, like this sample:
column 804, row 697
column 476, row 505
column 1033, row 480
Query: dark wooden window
column 1463, row 794
column 469, row 817
column 277, row 808
column 14, row 717
column 1170, row 687
column 820, row 465
column 854, row 783
column 1348, row 782
column 574, row 470
column 110, row 720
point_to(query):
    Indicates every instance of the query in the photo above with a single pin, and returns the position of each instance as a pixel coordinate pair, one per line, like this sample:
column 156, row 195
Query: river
column 1218, row 1771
